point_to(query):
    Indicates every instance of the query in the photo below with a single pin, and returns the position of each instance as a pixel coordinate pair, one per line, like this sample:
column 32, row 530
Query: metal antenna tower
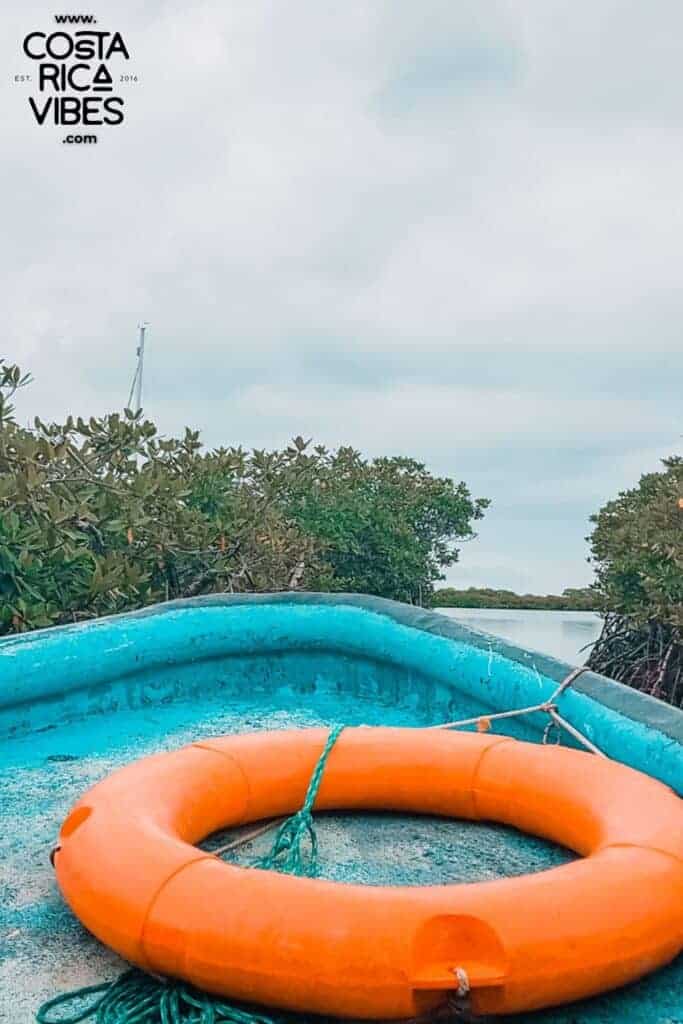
column 135, row 396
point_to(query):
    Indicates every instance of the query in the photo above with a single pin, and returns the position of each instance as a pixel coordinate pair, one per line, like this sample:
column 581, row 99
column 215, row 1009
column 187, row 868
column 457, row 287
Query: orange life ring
column 128, row 869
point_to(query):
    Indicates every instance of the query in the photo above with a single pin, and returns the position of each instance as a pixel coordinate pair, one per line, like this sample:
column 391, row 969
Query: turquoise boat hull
column 77, row 701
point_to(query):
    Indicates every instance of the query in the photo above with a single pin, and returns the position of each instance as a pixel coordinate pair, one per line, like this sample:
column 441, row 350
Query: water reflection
column 564, row 635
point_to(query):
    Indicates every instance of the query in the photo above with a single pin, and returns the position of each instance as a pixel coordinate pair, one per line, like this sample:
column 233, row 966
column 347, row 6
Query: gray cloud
column 449, row 230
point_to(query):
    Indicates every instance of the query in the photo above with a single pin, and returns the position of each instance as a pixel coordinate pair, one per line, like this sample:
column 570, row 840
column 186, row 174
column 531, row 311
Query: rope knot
column 286, row 855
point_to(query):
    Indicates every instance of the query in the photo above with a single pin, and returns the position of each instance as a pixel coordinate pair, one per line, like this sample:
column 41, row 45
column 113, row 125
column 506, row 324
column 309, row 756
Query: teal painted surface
column 77, row 702
column 58, row 675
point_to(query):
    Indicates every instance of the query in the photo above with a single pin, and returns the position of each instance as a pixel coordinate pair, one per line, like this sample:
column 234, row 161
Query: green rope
column 139, row 998
column 286, row 855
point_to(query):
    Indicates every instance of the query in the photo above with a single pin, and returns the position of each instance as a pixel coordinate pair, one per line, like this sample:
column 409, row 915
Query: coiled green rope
column 139, row 998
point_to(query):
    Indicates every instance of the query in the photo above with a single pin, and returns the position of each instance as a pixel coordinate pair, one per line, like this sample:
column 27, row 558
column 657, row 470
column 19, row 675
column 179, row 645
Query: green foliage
column 637, row 549
column 101, row 516
column 571, row 599
column 383, row 527
column 104, row 515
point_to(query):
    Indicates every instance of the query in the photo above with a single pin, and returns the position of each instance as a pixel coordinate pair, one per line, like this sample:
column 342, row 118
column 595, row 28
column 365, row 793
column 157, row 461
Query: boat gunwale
column 641, row 708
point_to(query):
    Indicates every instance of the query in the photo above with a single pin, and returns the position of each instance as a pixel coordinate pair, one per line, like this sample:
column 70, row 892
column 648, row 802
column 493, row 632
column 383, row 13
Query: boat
column 76, row 702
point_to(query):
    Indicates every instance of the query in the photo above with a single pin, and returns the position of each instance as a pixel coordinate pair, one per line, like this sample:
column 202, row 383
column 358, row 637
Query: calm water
column 561, row 634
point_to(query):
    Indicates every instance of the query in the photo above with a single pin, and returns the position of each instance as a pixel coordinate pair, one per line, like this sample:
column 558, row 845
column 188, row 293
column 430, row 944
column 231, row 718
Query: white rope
column 548, row 707
column 463, row 980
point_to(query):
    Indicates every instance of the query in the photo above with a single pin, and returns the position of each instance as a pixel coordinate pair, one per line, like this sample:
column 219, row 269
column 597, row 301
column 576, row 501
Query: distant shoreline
column 507, row 608
column 571, row 600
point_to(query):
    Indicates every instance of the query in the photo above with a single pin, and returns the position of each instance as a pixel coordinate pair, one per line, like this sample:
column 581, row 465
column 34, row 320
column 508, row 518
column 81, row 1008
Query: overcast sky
column 451, row 230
